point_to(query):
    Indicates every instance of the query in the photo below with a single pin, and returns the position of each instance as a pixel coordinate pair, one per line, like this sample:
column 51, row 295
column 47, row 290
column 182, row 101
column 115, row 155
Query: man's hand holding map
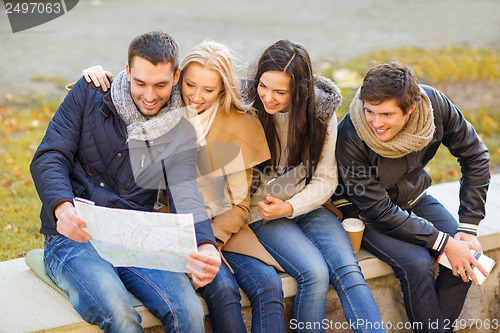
column 137, row 238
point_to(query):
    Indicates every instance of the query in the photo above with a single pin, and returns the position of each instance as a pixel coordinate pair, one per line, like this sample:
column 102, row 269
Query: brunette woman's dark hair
column 306, row 133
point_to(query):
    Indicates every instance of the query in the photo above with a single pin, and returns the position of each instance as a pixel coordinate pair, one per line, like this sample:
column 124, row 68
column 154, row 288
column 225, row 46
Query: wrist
column 208, row 246
column 449, row 244
column 61, row 208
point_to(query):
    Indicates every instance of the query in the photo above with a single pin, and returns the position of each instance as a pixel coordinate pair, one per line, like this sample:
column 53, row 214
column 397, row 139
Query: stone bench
column 31, row 305
column 34, row 305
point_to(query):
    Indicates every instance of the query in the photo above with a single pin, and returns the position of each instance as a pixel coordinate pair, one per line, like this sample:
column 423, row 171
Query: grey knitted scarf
column 139, row 126
column 416, row 134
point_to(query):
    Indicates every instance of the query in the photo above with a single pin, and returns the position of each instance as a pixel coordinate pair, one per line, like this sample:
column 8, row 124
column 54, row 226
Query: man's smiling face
column 150, row 85
column 386, row 119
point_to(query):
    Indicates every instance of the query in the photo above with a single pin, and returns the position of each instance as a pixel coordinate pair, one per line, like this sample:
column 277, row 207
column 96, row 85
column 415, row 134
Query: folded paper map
column 140, row 239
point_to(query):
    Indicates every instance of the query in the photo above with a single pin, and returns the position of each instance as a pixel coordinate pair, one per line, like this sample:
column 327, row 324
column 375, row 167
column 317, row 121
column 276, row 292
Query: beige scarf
column 416, row 134
column 202, row 123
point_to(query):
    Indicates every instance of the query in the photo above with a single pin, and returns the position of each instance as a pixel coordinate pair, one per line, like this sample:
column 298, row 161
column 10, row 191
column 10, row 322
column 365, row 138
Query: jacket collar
column 107, row 107
column 327, row 97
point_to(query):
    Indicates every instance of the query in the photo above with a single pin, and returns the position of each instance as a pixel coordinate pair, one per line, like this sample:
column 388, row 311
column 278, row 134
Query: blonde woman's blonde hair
column 217, row 57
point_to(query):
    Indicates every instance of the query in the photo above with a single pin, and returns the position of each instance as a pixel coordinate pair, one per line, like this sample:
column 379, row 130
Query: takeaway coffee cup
column 354, row 228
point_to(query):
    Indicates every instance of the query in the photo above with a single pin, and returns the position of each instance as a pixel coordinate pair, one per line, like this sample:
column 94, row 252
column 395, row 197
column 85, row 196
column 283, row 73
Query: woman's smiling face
column 200, row 87
column 274, row 91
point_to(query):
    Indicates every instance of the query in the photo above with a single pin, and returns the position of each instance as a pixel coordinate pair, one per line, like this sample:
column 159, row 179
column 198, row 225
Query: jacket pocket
column 79, row 190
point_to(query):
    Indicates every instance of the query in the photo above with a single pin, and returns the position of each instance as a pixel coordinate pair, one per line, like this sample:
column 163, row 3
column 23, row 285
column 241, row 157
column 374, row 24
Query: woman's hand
column 273, row 208
column 204, row 264
column 98, row 76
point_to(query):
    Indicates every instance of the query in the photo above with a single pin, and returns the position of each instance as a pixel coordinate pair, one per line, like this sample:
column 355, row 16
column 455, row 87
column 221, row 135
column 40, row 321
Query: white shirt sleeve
column 324, row 180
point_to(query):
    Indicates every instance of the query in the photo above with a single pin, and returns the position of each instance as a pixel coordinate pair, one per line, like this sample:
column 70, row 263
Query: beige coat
column 235, row 144
column 241, row 136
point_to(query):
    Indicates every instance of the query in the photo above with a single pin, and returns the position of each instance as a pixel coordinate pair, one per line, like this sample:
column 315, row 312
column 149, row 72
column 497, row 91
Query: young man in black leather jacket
column 393, row 129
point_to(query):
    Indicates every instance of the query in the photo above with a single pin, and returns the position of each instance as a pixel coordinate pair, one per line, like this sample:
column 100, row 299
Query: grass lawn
column 23, row 126
column 469, row 76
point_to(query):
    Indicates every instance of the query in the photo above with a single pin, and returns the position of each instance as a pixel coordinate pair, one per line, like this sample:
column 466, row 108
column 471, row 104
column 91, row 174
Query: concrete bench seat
column 31, row 305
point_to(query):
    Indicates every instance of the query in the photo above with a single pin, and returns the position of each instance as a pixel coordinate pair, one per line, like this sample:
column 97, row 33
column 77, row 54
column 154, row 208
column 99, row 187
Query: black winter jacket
column 383, row 188
column 85, row 152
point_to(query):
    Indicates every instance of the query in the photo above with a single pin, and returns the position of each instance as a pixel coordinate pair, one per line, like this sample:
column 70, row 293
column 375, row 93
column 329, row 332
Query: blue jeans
column 262, row 285
column 427, row 299
column 315, row 250
column 98, row 291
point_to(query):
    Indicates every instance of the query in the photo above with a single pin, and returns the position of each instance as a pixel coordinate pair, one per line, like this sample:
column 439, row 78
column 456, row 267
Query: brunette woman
column 297, row 112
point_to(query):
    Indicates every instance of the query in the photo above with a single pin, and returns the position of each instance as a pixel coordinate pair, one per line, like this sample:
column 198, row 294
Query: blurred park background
column 453, row 45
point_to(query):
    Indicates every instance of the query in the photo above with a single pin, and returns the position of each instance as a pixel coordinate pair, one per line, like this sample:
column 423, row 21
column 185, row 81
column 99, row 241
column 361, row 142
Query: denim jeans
column 427, row 299
column 315, row 250
column 98, row 291
column 262, row 285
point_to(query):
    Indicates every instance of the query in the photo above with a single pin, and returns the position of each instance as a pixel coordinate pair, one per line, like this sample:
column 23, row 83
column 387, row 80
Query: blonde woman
column 231, row 142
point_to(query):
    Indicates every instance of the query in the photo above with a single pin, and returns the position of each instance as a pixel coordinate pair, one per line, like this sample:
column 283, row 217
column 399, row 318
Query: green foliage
column 60, row 82
column 442, row 64
column 21, row 131
column 445, row 168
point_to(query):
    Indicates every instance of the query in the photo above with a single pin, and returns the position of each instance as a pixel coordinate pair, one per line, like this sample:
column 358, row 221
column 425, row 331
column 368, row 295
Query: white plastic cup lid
column 353, row 225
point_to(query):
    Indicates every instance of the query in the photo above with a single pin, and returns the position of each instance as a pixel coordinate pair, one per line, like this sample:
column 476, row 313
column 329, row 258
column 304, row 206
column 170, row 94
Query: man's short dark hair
column 391, row 80
column 156, row 47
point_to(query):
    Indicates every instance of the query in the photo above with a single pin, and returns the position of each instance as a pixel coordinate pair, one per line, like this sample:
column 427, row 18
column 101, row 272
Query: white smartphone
column 485, row 261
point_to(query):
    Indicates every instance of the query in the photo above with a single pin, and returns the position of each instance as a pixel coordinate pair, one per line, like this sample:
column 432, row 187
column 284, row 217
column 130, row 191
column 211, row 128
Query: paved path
column 99, row 31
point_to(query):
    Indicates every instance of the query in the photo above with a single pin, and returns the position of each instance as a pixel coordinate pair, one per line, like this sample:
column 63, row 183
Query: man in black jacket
column 393, row 129
column 117, row 149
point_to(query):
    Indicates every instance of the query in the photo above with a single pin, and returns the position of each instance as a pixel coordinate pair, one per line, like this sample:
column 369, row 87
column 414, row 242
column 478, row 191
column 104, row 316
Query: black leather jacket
column 383, row 188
